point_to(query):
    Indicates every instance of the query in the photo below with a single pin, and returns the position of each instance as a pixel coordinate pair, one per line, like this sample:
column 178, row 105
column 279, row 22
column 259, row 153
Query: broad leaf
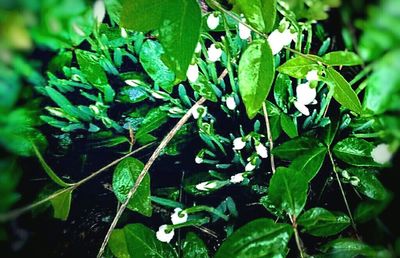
column 309, row 163
column 62, row 204
column 342, row 91
column 288, row 191
column 259, row 238
column 153, row 120
column 124, row 178
column 296, row 147
column 369, row 185
column 355, row 151
column 298, row 67
column 137, row 240
column 194, row 247
column 281, row 90
column 345, row 247
column 370, row 209
column 342, row 58
column 256, row 73
column 321, row 222
column 204, row 88
column 288, row 126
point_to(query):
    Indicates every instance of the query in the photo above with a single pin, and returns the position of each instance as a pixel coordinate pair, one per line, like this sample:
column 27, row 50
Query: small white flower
column 198, row 48
column 212, row 21
column 200, row 110
column 164, row 236
column 354, row 181
column 198, row 160
column 176, row 110
column 193, row 73
column 345, row 174
column 236, row 179
column 206, row 186
column 99, row 11
column 250, row 167
column 123, row 33
column 381, row 154
column 179, row 216
column 244, row 31
column 261, row 150
column 305, row 94
column 158, row 95
column 238, row 143
column 312, row 76
column 277, row 40
column 231, row 103
column 133, row 82
column 214, row 53
column 302, row 108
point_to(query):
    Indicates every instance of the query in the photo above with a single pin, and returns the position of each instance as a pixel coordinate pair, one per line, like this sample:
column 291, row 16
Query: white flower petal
column 302, row 108
column 231, row 103
column 262, row 151
column 179, row 216
column 198, row 48
column 305, row 94
column 312, row 76
column 236, row 179
column 381, row 154
column 214, row 53
column 123, row 33
column 206, row 186
column 99, row 11
column 193, row 73
column 244, row 32
column 198, row 160
column 249, row 167
column 238, row 143
column 164, row 236
column 212, row 21
column 275, row 42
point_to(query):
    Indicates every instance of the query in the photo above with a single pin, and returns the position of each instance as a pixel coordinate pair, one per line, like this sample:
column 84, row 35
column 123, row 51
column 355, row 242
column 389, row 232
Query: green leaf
column 370, row 209
column 298, row 67
column 345, row 247
column 256, row 74
column 288, row 126
column 153, row 19
column 153, row 120
column 342, row 58
column 124, row 178
column 150, row 58
column 90, row 67
column 62, row 204
column 260, row 14
column 194, row 247
column 342, row 91
column 369, row 185
column 281, row 90
column 329, row 132
column 355, row 151
column 258, row 238
column 296, row 147
column 309, row 163
column 288, row 191
column 204, row 88
column 137, row 240
column 321, row 222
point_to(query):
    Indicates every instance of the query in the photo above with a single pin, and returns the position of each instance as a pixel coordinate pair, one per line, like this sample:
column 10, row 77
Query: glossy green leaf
column 309, row 163
column 204, row 88
column 346, row 247
column 288, row 126
column 150, row 58
column 137, row 240
column 260, row 14
column 298, row 67
column 62, row 204
column 321, row 222
column 256, row 74
column 281, row 90
column 296, row 147
column 342, row 58
column 329, row 132
column 370, row 209
column 258, row 238
column 355, row 151
column 124, row 178
column 90, row 67
column 369, row 184
column 342, row 91
column 154, row 119
column 194, row 247
column 288, row 191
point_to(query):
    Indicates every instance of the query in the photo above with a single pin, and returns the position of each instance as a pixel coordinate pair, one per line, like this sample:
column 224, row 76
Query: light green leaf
column 256, row 74
column 355, row 151
column 298, row 67
column 62, row 204
column 342, row 58
column 369, row 185
column 281, row 91
column 260, row 14
column 296, row 147
column 90, row 67
column 204, row 88
column 150, row 58
column 153, row 19
column 194, row 247
column 124, row 178
column 342, row 91
column 321, row 222
column 309, row 163
column 288, row 191
column 259, row 238
column 137, row 240
column 288, row 126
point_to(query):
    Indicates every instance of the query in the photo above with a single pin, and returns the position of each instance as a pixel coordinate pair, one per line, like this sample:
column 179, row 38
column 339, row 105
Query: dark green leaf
column 288, row 191
column 194, row 247
column 256, row 74
column 298, row 67
column 204, row 88
column 309, row 163
column 90, row 67
column 370, row 209
column 369, row 185
column 296, row 147
column 342, row 58
column 342, row 91
column 137, row 240
column 345, row 247
column 330, row 131
column 153, row 120
column 355, row 151
column 124, row 178
column 281, row 90
column 288, row 126
column 259, row 238
column 62, row 204
column 321, row 222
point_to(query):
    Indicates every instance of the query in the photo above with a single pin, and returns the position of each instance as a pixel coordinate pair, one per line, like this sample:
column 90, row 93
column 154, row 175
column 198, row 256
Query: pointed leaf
column 298, row 67
column 296, row 147
column 342, row 58
column 62, row 204
column 355, row 151
column 194, row 247
column 309, row 163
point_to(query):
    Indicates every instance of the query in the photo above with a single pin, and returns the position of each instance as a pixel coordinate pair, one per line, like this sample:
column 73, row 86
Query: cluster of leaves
column 119, row 82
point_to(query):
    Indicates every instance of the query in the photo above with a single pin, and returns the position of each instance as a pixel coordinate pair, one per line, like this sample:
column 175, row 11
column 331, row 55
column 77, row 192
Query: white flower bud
column 238, row 143
column 345, row 174
column 158, row 95
column 123, row 33
column 354, row 181
column 277, row 40
column 193, row 73
column 214, row 53
column 200, row 110
column 179, row 216
column 312, row 76
column 198, row 48
column 198, row 160
column 206, row 186
column 236, row 179
column 99, row 11
column 212, row 21
column 262, row 151
column 302, row 108
column 164, row 236
column 381, row 154
column 132, row 82
column 250, row 167
column 244, row 32
column 231, row 103
column 305, row 94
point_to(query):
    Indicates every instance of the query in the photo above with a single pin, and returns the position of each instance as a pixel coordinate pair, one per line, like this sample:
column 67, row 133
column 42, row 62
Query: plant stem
column 145, row 170
column 299, row 243
column 269, row 136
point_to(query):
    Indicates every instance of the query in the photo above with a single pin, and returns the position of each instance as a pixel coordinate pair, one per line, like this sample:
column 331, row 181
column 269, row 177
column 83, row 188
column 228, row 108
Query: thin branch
column 269, row 136
column 299, row 243
column 145, row 170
